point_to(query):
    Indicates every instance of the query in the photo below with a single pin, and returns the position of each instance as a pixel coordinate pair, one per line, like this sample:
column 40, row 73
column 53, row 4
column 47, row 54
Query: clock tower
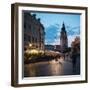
column 63, row 39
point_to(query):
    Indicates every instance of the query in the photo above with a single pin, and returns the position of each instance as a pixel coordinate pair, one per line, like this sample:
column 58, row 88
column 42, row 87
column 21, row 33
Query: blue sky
column 52, row 23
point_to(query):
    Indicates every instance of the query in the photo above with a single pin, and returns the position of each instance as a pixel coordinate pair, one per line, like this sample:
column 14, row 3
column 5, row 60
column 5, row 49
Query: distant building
column 57, row 48
column 34, row 34
column 49, row 47
column 63, row 39
column 75, row 45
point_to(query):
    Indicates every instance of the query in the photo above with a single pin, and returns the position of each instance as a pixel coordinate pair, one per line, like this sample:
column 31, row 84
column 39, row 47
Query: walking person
column 74, row 59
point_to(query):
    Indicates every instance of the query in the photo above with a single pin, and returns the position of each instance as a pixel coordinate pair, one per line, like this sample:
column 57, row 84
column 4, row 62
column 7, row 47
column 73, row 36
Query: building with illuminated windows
column 33, row 31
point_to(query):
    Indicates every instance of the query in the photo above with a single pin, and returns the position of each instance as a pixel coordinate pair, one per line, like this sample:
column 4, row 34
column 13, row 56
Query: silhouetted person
column 74, row 58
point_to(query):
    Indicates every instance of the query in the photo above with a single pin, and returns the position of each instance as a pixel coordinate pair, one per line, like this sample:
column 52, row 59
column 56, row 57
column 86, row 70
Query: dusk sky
column 52, row 23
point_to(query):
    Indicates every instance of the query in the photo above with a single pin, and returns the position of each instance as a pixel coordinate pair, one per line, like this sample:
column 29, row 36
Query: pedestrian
column 74, row 59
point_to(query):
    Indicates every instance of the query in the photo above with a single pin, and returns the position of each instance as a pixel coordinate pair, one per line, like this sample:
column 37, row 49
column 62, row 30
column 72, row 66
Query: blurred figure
column 74, row 59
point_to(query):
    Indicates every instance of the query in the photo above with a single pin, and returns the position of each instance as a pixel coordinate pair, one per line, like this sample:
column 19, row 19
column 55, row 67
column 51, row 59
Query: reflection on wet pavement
column 51, row 68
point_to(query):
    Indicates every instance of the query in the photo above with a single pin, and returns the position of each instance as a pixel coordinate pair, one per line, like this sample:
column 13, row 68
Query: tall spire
column 63, row 39
column 63, row 27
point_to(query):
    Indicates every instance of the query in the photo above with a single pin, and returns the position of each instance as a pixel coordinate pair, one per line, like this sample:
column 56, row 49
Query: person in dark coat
column 74, row 59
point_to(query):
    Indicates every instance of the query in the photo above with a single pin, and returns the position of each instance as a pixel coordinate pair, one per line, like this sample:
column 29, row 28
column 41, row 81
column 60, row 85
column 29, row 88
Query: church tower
column 63, row 39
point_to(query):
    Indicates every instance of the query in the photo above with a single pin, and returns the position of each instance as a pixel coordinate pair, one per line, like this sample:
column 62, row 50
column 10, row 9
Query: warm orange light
column 33, row 51
column 30, row 45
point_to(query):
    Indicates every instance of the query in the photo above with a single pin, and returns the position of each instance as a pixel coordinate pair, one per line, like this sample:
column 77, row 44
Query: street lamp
column 30, row 45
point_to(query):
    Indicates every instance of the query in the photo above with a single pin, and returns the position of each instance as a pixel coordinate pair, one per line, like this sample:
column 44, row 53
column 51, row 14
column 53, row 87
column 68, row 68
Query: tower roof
column 63, row 27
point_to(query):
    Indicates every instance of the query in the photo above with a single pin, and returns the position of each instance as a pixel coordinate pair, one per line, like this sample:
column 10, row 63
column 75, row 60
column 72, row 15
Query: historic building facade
column 75, row 46
column 63, row 39
column 33, row 31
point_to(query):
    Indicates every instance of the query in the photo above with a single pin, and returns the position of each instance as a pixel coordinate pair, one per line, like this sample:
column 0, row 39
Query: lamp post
column 30, row 45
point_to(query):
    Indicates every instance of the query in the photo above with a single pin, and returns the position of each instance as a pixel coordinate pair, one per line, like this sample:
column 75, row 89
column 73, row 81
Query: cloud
column 56, row 42
column 71, row 39
column 53, row 34
column 73, row 30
